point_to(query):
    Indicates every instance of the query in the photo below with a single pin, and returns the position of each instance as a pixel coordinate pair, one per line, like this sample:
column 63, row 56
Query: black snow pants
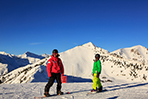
column 54, row 76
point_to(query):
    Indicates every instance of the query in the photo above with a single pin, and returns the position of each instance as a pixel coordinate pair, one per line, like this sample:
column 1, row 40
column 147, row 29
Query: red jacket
column 54, row 65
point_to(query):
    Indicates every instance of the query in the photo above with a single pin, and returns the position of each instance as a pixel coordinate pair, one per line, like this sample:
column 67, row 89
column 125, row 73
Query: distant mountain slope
column 27, row 73
column 31, row 57
column 45, row 55
column 137, row 53
column 9, row 62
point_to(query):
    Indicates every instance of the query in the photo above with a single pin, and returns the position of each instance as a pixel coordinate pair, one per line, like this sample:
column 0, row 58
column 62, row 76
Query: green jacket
column 97, row 67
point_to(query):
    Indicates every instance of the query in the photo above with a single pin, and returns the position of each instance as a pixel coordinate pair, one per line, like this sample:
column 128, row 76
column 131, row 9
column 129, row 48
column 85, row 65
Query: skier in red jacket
column 54, row 69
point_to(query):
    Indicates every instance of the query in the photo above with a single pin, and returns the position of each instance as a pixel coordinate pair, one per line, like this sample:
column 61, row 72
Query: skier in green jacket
column 96, row 73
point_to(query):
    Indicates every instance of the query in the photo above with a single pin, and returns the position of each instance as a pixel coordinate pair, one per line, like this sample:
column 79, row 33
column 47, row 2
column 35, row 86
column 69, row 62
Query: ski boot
column 46, row 94
column 100, row 89
column 94, row 91
column 60, row 92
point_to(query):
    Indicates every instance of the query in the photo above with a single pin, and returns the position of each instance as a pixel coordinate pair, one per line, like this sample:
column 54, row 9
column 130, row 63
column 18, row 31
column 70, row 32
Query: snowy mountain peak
column 137, row 53
column 45, row 55
column 89, row 45
column 29, row 54
column 95, row 48
column 139, row 47
column 3, row 53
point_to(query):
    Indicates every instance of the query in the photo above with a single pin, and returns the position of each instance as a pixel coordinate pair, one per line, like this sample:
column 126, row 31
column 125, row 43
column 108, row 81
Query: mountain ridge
column 9, row 62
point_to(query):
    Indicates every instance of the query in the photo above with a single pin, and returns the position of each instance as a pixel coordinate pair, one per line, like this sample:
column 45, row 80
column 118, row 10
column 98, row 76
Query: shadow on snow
column 125, row 86
column 70, row 79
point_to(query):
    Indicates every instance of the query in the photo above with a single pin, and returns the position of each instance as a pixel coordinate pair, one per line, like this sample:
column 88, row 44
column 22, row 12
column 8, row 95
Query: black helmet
column 97, row 55
column 55, row 51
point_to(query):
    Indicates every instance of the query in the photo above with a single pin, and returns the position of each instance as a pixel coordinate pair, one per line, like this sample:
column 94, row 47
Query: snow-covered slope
column 33, row 72
column 138, row 53
column 9, row 62
column 78, row 63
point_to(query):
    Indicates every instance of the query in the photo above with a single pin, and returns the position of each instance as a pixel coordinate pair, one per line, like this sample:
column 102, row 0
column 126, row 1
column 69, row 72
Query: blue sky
column 39, row 26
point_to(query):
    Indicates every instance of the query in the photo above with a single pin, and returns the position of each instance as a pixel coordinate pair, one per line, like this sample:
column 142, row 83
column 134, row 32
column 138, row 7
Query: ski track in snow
column 78, row 91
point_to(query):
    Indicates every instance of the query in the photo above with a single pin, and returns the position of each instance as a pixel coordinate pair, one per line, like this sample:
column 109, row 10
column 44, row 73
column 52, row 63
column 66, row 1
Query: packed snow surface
column 116, row 90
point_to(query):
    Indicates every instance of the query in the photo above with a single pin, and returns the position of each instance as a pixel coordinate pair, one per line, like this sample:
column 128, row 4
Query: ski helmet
column 97, row 55
column 55, row 51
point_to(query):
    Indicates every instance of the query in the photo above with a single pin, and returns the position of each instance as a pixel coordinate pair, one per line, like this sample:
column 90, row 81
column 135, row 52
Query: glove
column 98, row 74
column 49, row 75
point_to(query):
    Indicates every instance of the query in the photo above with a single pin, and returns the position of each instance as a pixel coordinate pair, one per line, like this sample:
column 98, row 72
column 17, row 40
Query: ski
column 90, row 93
column 42, row 97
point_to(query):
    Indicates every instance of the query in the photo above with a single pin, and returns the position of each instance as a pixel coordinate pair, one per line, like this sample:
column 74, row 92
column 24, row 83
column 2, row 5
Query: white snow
column 124, row 73
column 3, row 69
column 116, row 90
